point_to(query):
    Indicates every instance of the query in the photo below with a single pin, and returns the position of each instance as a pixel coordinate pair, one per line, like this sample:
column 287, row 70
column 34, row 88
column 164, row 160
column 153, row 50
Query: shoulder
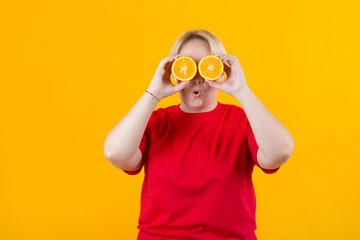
column 233, row 109
column 233, row 115
column 162, row 114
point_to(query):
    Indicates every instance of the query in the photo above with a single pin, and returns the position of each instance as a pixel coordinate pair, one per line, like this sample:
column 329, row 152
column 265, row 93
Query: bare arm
column 275, row 141
column 124, row 139
column 121, row 147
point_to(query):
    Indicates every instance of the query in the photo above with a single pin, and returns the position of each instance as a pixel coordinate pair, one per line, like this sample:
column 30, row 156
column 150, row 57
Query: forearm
column 273, row 139
column 124, row 139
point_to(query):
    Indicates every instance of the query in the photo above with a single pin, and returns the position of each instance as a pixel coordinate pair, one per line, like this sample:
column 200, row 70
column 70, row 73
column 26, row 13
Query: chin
column 197, row 103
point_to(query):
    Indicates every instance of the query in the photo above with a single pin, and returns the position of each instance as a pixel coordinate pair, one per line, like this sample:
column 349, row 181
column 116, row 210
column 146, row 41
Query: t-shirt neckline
column 199, row 114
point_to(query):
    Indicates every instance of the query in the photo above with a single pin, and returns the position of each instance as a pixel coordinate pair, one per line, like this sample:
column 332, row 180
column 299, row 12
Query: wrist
column 242, row 93
column 153, row 94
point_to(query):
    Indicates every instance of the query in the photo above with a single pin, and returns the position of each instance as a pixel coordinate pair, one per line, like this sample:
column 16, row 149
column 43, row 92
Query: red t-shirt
column 198, row 175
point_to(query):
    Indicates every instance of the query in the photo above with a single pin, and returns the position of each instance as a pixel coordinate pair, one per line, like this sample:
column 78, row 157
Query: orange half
column 173, row 80
column 224, row 77
column 211, row 67
column 184, row 68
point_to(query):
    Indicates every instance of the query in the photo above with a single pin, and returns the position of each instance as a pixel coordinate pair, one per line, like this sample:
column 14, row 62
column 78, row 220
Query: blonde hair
column 215, row 44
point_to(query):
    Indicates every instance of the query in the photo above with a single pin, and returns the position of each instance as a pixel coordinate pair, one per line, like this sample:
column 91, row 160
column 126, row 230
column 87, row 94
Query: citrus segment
column 184, row 68
column 211, row 67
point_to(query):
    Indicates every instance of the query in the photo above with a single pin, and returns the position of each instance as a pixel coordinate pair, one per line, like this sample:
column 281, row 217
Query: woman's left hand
column 235, row 81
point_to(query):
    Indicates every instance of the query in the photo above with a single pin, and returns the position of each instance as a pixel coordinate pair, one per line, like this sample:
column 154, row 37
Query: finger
column 166, row 62
column 230, row 58
column 234, row 64
column 227, row 67
column 169, row 59
column 221, row 56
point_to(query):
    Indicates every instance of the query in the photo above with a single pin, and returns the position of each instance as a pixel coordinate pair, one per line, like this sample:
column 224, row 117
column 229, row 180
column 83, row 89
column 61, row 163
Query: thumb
column 213, row 84
column 180, row 86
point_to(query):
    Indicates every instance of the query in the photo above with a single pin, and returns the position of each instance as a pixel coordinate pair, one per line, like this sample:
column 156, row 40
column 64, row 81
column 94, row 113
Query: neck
column 210, row 107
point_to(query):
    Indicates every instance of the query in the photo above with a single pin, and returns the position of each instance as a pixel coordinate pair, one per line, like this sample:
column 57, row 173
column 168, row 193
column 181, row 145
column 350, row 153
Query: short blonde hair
column 215, row 44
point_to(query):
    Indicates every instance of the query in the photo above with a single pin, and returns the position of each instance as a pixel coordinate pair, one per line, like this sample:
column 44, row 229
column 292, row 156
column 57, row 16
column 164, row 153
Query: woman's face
column 206, row 99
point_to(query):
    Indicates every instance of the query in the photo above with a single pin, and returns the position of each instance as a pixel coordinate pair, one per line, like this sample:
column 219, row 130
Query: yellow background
column 70, row 70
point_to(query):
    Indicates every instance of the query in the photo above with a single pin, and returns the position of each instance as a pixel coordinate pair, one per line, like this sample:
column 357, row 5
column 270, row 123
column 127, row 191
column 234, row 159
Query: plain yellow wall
column 70, row 70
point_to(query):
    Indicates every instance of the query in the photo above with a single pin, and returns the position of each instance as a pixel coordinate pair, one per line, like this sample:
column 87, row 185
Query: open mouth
column 196, row 93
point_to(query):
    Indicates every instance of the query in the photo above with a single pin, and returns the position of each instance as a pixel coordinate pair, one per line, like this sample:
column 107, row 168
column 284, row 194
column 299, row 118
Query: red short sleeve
column 253, row 148
column 144, row 143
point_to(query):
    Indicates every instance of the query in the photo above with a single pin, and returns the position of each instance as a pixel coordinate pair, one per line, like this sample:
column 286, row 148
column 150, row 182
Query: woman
column 198, row 156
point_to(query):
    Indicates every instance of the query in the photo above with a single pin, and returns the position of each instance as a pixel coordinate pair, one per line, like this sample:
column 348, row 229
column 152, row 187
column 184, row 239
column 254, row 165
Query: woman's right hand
column 161, row 85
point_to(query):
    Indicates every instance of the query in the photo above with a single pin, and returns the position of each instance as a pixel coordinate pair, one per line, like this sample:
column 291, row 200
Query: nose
column 198, row 79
